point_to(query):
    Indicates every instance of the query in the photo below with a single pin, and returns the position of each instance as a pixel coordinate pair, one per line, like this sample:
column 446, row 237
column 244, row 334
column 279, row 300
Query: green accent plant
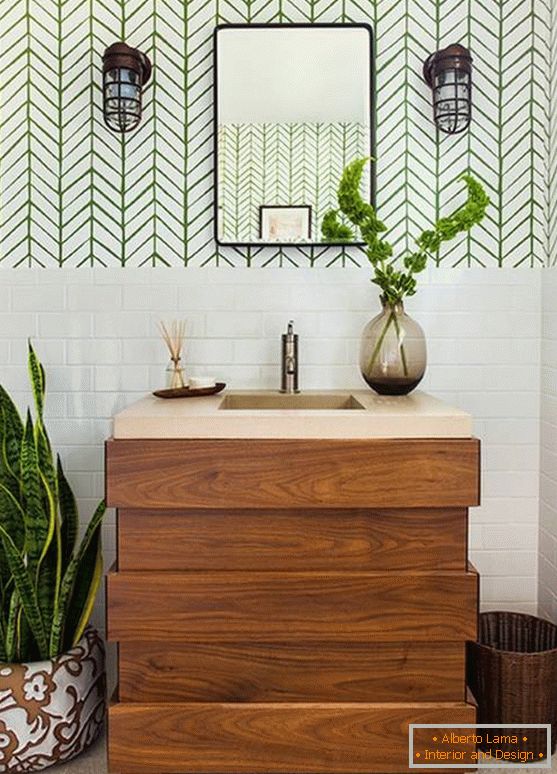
column 396, row 283
column 48, row 583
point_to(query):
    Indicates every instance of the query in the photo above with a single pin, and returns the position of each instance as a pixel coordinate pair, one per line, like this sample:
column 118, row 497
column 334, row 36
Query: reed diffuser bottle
column 173, row 336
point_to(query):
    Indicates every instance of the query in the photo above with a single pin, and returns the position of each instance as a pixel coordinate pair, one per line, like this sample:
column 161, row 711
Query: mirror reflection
column 293, row 108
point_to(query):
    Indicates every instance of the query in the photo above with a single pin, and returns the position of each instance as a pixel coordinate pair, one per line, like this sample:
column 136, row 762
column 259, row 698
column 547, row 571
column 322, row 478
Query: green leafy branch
column 396, row 283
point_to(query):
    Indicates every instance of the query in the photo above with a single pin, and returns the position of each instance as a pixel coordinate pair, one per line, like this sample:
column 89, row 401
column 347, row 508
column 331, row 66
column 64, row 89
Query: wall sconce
column 448, row 72
column 125, row 71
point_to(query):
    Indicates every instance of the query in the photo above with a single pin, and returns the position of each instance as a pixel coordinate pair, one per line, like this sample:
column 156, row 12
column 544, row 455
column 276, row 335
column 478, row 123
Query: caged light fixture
column 448, row 73
column 125, row 71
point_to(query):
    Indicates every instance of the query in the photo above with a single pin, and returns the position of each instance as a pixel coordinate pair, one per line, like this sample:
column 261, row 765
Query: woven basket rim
column 519, row 653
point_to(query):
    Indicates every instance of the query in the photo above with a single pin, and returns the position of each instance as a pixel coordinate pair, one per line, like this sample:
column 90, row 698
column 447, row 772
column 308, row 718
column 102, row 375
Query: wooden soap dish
column 189, row 392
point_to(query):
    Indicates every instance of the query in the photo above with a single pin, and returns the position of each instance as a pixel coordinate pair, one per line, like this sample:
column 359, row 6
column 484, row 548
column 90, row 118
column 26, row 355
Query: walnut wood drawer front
column 290, row 540
column 290, row 473
column 270, row 738
column 291, row 607
column 299, row 672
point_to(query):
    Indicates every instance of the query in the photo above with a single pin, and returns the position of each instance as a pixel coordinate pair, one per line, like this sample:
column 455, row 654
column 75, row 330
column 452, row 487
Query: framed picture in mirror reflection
column 285, row 223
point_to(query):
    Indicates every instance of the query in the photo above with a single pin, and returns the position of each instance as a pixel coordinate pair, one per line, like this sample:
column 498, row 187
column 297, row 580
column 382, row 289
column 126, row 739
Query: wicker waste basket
column 512, row 672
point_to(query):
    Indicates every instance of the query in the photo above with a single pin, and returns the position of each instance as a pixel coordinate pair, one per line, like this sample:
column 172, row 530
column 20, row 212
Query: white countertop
column 417, row 415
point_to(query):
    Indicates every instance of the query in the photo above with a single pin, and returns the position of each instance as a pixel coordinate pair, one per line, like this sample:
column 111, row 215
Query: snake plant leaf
column 44, row 450
column 19, row 640
column 38, row 526
column 49, row 577
column 26, row 646
column 6, row 583
column 26, row 592
column 46, row 462
column 78, row 584
column 11, row 643
column 12, row 517
column 69, row 514
column 37, row 377
column 5, row 579
column 95, row 549
column 46, row 583
column 3, row 653
column 11, row 429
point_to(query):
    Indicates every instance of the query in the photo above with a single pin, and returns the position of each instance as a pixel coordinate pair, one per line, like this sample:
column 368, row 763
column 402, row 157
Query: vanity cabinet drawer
column 288, row 605
column 298, row 672
column 291, row 607
column 270, row 738
column 290, row 540
column 292, row 473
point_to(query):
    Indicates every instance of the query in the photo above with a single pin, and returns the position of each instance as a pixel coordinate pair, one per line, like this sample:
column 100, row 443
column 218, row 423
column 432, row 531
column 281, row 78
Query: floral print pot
column 50, row 711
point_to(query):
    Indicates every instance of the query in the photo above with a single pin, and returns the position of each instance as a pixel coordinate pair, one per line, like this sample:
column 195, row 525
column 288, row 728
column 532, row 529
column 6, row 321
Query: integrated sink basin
column 309, row 414
column 303, row 401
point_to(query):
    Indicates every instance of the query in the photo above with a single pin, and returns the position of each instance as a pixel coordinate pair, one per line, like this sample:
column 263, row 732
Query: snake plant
column 48, row 581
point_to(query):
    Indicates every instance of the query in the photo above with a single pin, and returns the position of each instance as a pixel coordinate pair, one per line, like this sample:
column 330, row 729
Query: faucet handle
column 290, row 328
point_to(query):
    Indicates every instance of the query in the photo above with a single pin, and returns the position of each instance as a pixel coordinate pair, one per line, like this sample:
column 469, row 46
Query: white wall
column 312, row 74
column 95, row 331
column 548, row 461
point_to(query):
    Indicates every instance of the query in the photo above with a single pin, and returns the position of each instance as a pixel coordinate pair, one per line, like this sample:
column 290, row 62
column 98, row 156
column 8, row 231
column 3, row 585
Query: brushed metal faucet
column 289, row 361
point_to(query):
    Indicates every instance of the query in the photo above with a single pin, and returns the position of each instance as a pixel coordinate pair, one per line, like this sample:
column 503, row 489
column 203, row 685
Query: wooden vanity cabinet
column 288, row 605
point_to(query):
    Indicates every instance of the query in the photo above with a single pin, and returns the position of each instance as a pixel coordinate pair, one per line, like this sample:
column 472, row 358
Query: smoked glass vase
column 393, row 352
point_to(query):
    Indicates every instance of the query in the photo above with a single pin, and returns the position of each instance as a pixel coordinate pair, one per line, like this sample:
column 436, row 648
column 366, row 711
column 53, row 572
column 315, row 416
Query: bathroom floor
column 94, row 762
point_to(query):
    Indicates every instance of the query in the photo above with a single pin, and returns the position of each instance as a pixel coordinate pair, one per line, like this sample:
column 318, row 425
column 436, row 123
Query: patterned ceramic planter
column 50, row 711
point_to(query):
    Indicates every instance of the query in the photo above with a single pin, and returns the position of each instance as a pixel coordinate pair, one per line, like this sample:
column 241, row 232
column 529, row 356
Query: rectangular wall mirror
column 293, row 106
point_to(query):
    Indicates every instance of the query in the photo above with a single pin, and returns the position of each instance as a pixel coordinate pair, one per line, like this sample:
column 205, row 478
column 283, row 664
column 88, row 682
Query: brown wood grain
column 289, row 607
column 291, row 473
column 270, row 738
column 298, row 672
column 331, row 539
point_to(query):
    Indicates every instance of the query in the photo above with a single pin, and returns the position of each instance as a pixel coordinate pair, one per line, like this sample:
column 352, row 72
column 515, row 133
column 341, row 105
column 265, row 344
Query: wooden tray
column 188, row 392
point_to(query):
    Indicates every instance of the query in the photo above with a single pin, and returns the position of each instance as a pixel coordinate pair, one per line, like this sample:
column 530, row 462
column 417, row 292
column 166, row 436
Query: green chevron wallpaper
column 282, row 163
column 552, row 141
column 73, row 194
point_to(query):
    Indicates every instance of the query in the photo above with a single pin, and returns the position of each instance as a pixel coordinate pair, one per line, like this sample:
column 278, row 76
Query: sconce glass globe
column 449, row 74
column 125, row 71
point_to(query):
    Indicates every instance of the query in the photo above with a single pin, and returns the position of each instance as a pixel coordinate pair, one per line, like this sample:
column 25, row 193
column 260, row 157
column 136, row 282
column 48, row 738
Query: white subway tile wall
column 548, row 451
column 96, row 333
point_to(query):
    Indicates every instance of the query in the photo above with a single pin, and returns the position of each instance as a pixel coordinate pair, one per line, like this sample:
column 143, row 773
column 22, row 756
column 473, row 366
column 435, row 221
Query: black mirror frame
column 372, row 124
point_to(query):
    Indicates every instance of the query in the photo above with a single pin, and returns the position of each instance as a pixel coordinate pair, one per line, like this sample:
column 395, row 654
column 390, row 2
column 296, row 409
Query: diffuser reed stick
column 173, row 336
